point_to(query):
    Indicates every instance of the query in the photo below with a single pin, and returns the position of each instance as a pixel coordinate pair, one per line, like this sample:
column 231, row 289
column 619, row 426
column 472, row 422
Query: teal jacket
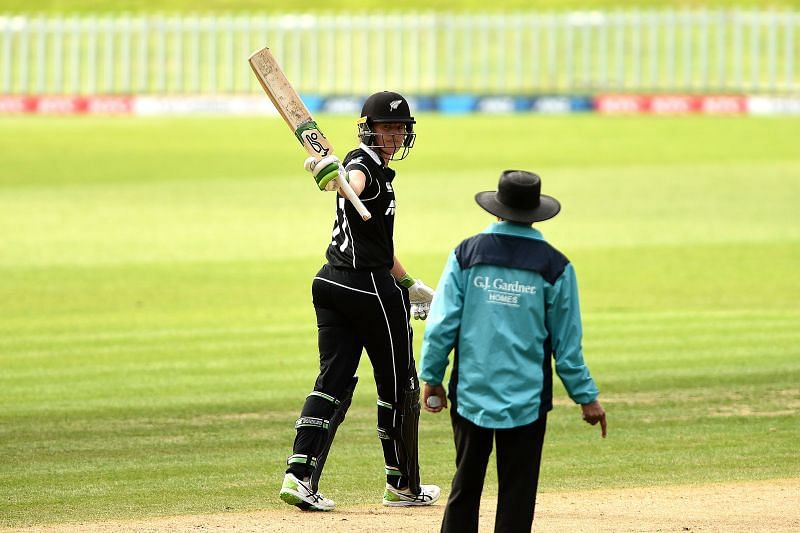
column 507, row 302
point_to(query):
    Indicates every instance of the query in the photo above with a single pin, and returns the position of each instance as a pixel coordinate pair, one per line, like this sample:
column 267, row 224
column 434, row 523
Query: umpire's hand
column 434, row 391
column 594, row 413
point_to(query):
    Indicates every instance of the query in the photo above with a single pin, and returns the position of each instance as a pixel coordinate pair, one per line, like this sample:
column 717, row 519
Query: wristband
column 406, row 281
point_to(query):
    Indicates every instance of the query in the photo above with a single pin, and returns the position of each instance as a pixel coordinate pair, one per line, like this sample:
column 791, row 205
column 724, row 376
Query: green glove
column 325, row 171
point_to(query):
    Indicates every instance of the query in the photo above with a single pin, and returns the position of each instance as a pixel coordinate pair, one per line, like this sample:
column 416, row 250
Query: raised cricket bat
column 297, row 116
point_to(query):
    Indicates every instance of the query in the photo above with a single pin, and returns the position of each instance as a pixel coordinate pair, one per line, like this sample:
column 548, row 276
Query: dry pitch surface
column 764, row 506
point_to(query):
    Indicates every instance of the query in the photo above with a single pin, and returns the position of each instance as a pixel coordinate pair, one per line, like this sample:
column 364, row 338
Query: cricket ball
column 433, row 402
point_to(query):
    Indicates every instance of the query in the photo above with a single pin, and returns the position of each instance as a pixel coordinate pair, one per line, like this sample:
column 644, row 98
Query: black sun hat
column 518, row 198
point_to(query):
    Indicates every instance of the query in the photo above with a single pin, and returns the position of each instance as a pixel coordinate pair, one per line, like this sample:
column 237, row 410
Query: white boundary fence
column 690, row 51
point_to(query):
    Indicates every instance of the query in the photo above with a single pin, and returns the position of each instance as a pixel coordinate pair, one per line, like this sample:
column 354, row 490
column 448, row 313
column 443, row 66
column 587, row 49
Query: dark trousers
column 361, row 310
column 519, row 452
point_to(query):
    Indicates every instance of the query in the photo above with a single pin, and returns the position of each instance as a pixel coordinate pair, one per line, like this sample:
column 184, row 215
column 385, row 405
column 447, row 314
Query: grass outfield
column 157, row 337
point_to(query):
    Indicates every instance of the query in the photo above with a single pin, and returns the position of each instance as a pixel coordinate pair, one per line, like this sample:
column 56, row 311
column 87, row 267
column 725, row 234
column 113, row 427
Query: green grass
column 157, row 337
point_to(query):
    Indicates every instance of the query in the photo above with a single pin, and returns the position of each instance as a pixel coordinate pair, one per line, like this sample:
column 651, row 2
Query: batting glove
column 325, row 171
column 420, row 311
column 420, row 296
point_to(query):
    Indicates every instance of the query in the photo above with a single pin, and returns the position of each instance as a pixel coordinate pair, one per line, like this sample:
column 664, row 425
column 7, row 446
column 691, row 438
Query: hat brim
column 548, row 208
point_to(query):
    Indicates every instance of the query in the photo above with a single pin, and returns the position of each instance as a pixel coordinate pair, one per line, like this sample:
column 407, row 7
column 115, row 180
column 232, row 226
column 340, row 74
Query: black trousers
column 519, row 452
column 362, row 310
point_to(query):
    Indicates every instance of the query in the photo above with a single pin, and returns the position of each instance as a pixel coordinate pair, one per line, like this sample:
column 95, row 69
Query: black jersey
column 366, row 245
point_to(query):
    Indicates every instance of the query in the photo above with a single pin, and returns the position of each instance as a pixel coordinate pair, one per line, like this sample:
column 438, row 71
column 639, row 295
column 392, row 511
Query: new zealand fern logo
column 394, row 104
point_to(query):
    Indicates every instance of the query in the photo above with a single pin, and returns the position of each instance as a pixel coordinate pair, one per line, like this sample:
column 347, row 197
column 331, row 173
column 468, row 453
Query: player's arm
column 357, row 180
column 398, row 270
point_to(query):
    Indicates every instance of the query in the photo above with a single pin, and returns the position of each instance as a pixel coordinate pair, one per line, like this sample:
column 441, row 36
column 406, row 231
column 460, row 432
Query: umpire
column 507, row 302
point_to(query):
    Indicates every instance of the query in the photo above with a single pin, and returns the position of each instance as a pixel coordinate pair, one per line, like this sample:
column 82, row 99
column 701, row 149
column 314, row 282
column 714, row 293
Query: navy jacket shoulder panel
column 512, row 252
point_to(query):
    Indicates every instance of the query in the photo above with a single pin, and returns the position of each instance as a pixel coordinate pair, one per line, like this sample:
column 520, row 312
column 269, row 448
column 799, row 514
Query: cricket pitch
column 771, row 505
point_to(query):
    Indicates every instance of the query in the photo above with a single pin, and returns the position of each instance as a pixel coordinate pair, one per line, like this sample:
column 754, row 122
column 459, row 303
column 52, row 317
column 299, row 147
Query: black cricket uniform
column 359, row 305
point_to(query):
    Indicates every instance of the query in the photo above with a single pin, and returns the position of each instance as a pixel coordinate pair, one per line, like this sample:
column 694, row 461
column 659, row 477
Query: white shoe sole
column 387, row 503
column 404, row 503
column 293, row 497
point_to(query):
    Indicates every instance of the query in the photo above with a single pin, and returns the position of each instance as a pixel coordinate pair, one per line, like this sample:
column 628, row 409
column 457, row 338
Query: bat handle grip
column 350, row 194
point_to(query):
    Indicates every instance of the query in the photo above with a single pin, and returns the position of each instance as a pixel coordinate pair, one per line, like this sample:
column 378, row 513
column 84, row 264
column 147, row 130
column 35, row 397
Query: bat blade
column 277, row 86
column 296, row 115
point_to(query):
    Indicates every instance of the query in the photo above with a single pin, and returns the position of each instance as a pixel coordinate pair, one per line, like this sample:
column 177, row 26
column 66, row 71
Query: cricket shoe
column 298, row 492
column 393, row 497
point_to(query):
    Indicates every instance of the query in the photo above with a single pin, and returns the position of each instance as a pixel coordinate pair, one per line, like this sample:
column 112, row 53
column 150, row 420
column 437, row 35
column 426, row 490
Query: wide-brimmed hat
column 519, row 199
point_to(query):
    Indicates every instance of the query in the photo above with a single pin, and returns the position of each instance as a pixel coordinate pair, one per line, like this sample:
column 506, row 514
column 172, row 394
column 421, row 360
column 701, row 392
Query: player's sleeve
column 443, row 324
column 563, row 318
column 355, row 164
